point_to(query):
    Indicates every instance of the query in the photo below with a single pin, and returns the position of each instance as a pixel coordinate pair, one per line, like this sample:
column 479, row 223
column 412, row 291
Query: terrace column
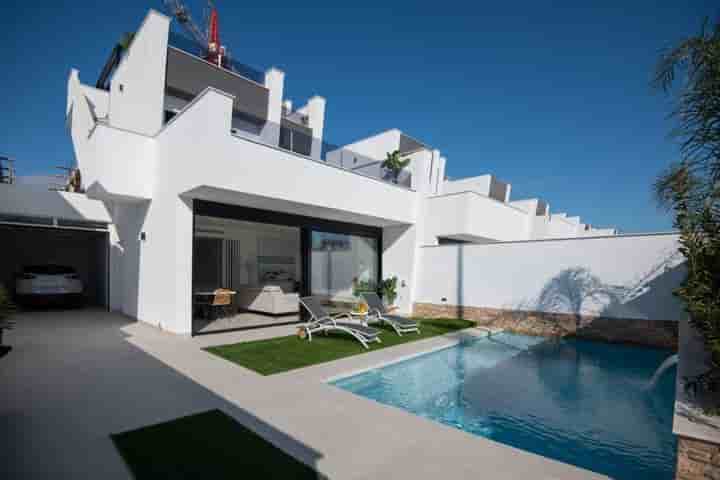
column 274, row 81
column 316, row 120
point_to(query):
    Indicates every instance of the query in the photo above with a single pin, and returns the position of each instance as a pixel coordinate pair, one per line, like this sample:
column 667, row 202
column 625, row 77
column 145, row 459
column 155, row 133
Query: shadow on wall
column 395, row 245
column 577, row 302
column 125, row 257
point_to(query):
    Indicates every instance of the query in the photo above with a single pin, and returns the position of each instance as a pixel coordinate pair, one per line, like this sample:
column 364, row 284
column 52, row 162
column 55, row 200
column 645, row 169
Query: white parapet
column 471, row 216
column 115, row 164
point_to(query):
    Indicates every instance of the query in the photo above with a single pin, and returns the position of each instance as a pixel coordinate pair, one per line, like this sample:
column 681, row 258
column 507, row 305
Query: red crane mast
column 216, row 52
column 209, row 39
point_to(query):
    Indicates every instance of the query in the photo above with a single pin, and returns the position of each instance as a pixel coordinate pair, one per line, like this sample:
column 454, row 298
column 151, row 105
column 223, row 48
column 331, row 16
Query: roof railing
column 188, row 45
column 7, row 169
column 299, row 140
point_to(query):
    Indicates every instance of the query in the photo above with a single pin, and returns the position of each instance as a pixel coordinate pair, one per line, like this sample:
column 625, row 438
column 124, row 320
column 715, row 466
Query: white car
column 43, row 283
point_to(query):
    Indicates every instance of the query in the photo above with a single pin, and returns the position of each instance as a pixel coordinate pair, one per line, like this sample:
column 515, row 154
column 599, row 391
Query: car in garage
column 49, row 284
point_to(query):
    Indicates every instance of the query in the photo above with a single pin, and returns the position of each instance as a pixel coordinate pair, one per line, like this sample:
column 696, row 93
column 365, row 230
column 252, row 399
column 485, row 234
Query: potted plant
column 388, row 290
column 394, row 163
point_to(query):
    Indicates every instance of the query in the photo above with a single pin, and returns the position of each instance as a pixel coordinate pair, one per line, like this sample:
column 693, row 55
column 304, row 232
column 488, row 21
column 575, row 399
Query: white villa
column 198, row 177
column 190, row 157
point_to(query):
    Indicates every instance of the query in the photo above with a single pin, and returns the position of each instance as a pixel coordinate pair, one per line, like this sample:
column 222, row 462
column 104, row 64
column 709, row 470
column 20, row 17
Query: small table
column 361, row 316
column 208, row 303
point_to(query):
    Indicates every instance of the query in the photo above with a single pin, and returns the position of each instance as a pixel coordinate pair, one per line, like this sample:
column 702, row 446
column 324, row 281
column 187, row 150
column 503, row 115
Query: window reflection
column 342, row 267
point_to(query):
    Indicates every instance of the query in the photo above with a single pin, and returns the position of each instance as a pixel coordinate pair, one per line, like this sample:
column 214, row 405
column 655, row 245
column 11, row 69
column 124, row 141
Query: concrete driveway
column 75, row 377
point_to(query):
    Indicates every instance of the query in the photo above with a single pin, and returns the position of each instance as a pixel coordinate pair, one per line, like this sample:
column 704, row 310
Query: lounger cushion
column 401, row 321
column 374, row 301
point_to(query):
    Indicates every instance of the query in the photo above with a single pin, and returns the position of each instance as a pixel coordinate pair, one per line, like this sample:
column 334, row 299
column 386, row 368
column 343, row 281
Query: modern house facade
column 211, row 179
column 200, row 177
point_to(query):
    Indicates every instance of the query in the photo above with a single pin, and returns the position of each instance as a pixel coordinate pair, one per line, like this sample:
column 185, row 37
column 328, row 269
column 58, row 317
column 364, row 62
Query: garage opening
column 64, row 244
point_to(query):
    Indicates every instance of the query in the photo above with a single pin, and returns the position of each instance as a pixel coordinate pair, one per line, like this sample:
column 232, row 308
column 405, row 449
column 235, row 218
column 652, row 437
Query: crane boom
column 178, row 10
column 213, row 51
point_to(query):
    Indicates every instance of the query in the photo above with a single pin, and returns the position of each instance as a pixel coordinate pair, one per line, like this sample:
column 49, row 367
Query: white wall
column 560, row 226
column 470, row 214
column 623, row 276
column 377, row 146
column 122, row 165
column 114, row 163
column 99, row 100
column 275, row 82
column 197, row 149
column 366, row 156
column 315, row 110
column 437, row 173
column 529, row 205
column 599, row 232
column 125, row 281
column 138, row 85
column 539, row 227
column 41, row 202
column 486, row 185
column 479, row 184
column 215, row 158
column 399, row 260
column 440, row 179
column 401, row 244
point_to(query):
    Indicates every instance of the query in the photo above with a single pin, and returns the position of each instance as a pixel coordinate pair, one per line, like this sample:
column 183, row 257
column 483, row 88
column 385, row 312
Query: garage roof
column 34, row 201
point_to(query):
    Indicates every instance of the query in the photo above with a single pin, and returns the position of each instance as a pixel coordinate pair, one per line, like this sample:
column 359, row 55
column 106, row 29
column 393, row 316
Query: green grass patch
column 211, row 444
column 288, row 353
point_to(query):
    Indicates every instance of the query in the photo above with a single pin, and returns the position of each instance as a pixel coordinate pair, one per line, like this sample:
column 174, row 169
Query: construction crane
column 178, row 10
column 209, row 39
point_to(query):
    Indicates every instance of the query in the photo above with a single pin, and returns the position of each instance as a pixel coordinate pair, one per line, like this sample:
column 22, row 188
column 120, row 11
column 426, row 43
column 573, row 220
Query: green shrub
column 691, row 188
column 700, row 290
column 394, row 163
column 389, row 289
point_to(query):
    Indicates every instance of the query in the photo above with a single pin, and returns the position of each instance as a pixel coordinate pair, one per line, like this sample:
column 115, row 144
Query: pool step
column 488, row 331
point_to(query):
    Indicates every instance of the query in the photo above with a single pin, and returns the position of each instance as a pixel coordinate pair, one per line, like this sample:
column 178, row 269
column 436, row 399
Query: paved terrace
column 75, row 377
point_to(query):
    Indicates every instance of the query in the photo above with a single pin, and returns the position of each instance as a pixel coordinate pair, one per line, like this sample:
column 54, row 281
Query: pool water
column 580, row 402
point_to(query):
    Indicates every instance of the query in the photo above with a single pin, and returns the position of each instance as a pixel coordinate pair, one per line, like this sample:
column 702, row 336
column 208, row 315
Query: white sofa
column 267, row 299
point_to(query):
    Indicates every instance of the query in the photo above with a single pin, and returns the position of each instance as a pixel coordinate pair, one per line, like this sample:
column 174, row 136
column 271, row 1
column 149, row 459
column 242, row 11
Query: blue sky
column 552, row 97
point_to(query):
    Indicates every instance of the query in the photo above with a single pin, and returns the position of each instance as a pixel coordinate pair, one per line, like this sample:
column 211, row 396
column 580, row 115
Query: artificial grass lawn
column 205, row 445
column 288, row 353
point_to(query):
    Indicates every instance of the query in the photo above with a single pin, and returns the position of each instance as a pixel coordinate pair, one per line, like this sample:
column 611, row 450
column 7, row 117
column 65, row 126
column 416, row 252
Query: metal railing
column 188, row 45
column 7, row 169
column 299, row 141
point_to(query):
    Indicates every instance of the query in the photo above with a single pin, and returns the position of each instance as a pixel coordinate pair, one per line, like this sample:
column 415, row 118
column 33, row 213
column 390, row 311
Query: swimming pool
column 581, row 402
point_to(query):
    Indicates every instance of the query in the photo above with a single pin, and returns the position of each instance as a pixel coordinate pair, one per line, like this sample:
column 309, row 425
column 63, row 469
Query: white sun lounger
column 322, row 321
column 377, row 309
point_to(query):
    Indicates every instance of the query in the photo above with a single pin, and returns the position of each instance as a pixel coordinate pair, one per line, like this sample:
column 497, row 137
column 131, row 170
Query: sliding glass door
column 208, row 264
column 246, row 250
column 342, row 266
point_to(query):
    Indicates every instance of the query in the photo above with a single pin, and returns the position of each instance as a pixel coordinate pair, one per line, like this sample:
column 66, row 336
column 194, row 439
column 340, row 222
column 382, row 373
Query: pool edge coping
column 453, row 343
